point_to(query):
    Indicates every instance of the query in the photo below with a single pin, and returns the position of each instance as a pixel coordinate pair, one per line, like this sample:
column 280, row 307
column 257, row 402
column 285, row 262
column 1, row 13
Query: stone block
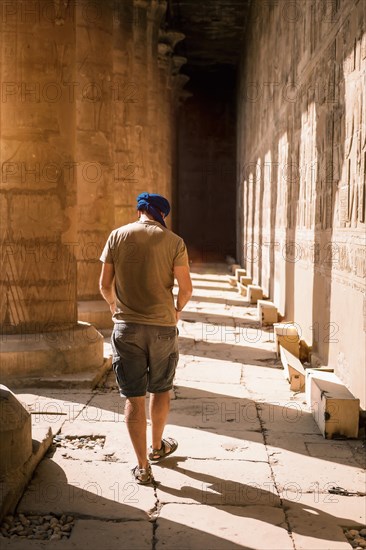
column 232, row 280
column 267, row 312
column 14, row 484
column 286, row 335
column 234, row 267
column 240, row 273
column 335, row 409
column 243, row 290
column 293, row 369
column 245, row 280
column 318, row 371
column 77, row 349
column 254, row 293
column 15, row 432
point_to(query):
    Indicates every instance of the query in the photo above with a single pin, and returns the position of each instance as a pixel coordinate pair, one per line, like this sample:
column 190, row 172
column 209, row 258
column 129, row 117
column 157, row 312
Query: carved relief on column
column 167, row 66
column 39, row 241
column 137, row 112
column 308, row 168
column 39, row 180
column 125, row 96
column 155, row 15
column 180, row 94
column 94, row 155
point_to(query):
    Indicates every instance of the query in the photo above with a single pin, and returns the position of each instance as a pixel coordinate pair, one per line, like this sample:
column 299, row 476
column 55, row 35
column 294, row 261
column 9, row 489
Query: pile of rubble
column 73, row 443
column 356, row 537
column 48, row 527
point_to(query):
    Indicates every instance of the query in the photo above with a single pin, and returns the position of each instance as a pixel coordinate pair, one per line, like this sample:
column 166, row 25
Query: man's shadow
column 302, row 519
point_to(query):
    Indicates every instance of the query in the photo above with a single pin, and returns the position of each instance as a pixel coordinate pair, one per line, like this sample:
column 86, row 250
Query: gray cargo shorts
column 144, row 358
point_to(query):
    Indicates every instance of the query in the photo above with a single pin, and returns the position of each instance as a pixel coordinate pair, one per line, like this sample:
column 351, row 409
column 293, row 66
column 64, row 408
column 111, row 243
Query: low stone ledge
column 267, row 312
column 334, row 407
column 232, row 280
column 234, row 267
column 293, row 370
column 286, row 335
column 240, row 273
column 245, row 280
column 254, row 293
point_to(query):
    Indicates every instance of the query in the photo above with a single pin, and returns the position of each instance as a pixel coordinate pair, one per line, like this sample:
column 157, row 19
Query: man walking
column 140, row 262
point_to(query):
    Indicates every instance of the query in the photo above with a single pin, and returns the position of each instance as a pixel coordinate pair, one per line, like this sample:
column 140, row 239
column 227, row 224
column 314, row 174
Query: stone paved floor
column 252, row 470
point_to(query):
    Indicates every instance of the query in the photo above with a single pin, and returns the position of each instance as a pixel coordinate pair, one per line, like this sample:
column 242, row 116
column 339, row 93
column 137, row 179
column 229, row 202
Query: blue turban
column 153, row 204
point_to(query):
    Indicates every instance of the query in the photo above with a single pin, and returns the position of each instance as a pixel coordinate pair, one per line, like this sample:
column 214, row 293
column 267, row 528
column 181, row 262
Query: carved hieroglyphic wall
column 302, row 112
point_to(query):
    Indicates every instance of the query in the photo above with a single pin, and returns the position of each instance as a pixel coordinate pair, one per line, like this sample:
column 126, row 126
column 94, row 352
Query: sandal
column 168, row 446
column 143, row 476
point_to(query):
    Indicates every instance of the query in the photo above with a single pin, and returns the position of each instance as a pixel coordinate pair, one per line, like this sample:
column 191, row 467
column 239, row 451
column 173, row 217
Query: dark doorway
column 206, row 164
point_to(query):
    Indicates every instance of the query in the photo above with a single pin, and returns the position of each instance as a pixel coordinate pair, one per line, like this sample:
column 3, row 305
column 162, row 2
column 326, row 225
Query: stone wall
column 302, row 171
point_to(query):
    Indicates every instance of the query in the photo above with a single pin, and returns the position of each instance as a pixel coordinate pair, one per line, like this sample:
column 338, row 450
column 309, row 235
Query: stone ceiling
column 213, row 29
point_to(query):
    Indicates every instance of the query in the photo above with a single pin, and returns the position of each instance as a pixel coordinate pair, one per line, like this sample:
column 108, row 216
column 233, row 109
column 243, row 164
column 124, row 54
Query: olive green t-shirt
column 144, row 254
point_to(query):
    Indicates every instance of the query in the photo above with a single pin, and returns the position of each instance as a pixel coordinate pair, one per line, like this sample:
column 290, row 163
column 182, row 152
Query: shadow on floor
column 205, row 346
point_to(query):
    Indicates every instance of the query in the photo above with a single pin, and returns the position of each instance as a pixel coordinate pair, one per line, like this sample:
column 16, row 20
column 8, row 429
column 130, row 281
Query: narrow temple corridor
column 249, row 116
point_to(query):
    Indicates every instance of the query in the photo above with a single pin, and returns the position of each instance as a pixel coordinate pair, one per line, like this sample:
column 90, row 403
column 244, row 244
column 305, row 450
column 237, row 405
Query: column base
column 96, row 312
column 50, row 354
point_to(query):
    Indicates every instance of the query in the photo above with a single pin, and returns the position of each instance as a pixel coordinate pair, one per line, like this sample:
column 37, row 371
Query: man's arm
column 106, row 285
column 183, row 276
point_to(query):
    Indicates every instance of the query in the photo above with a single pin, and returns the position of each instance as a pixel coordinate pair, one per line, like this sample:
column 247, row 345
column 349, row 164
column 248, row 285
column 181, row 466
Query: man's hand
column 177, row 315
column 183, row 276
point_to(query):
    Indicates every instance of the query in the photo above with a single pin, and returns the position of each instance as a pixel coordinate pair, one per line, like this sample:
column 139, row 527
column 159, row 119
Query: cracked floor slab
column 97, row 490
column 222, row 528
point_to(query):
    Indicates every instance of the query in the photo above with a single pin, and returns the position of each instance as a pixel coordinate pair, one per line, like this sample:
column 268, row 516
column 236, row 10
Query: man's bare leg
column 159, row 410
column 135, row 416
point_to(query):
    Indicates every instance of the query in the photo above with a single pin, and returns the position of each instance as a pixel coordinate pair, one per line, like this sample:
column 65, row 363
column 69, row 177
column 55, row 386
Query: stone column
column 94, row 152
column 179, row 96
column 164, row 62
column 166, row 138
column 156, row 15
column 132, row 163
column 40, row 333
column 124, row 97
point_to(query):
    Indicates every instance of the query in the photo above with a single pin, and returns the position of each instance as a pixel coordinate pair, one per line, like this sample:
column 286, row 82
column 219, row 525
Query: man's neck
column 145, row 217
